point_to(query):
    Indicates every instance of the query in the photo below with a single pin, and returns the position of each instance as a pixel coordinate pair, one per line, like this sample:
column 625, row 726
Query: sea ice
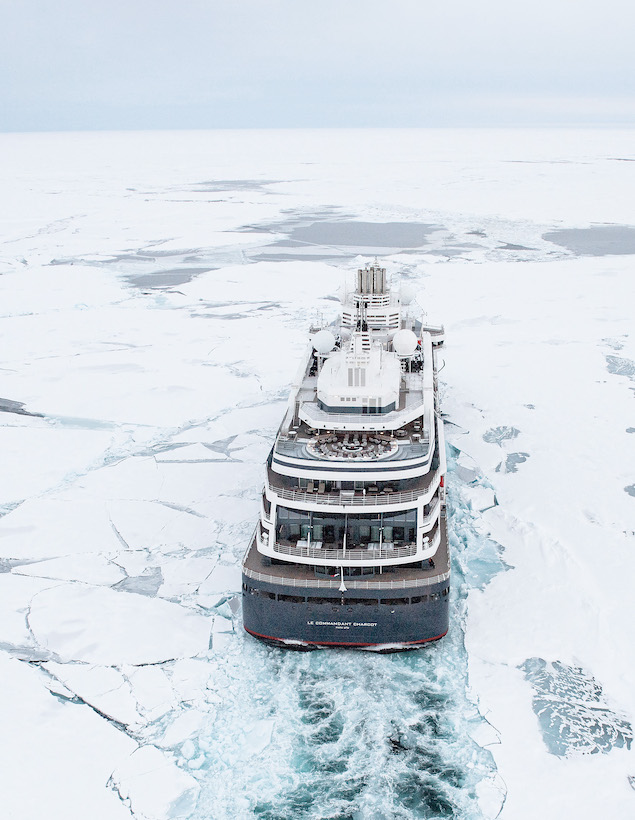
column 97, row 625
column 56, row 756
column 140, row 313
column 156, row 788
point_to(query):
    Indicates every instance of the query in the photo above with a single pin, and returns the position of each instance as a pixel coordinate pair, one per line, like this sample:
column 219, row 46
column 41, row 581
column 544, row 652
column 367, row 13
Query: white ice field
column 155, row 295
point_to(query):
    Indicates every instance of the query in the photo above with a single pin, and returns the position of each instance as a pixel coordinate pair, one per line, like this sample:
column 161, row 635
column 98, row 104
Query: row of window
column 330, row 528
column 346, row 601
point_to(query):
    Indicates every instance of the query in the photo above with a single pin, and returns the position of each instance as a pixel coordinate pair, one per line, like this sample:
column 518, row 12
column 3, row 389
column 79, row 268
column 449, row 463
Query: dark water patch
column 366, row 234
column 449, row 252
column 630, row 490
column 573, row 715
column 264, row 256
column 598, row 240
column 510, row 465
column 17, row 407
column 509, row 246
column 166, row 278
column 497, row 435
column 619, row 366
column 421, row 796
column 292, row 219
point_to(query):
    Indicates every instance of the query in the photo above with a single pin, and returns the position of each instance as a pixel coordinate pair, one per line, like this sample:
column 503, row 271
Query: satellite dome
column 404, row 342
column 324, row 342
column 408, row 293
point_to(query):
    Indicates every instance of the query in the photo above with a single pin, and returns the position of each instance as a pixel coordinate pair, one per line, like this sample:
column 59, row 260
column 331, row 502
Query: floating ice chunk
column 467, row 469
column 190, row 678
column 222, row 624
column 135, row 562
column 223, row 578
column 480, row 498
column 155, row 786
column 187, row 724
column 104, row 688
column 491, row 793
column 91, row 569
column 188, row 750
column 183, row 575
column 16, row 594
column 152, row 691
column 151, row 525
column 97, row 625
column 222, row 642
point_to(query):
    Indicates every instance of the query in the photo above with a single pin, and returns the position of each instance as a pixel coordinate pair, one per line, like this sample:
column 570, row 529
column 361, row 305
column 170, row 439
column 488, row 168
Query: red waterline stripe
column 344, row 643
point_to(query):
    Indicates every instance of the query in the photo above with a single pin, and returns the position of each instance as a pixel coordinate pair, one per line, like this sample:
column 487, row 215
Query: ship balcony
column 286, row 489
column 305, row 550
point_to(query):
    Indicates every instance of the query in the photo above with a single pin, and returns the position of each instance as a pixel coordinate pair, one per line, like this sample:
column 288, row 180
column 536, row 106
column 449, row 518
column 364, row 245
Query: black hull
column 338, row 623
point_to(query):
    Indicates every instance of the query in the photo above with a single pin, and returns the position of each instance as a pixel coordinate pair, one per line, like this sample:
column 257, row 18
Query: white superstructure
column 355, row 478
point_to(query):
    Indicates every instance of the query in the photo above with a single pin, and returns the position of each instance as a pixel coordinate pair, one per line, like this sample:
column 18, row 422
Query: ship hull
column 381, row 615
column 304, row 625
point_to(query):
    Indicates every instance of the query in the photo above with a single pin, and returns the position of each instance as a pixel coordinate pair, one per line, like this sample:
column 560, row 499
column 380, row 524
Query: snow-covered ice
column 155, row 296
column 95, row 625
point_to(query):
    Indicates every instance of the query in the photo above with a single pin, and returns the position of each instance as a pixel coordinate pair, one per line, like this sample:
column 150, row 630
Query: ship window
column 361, row 601
column 292, row 599
column 435, row 596
column 446, row 591
column 323, row 600
column 418, row 599
column 327, row 571
column 395, row 601
column 264, row 594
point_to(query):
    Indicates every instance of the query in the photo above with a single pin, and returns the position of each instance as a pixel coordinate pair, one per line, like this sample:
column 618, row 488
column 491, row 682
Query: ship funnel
column 371, row 279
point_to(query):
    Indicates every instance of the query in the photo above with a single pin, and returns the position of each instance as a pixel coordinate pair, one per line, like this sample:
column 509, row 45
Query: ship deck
column 303, row 575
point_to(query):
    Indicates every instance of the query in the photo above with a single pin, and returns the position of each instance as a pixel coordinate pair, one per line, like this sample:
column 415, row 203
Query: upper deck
column 363, row 403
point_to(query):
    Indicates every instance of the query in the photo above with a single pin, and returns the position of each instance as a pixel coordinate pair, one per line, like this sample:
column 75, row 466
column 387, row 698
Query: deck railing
column 406, row 583
column 352, row 498
column 346, row 555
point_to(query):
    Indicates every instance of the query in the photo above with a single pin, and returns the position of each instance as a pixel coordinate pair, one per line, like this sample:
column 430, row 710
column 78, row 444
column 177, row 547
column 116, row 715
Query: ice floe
column 100, row 626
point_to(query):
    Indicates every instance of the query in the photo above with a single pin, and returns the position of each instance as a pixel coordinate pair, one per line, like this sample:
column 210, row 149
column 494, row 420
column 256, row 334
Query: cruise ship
column 351, row 547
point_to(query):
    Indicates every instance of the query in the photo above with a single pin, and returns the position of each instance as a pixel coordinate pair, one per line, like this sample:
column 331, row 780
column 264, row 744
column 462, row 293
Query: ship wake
column 349, row 735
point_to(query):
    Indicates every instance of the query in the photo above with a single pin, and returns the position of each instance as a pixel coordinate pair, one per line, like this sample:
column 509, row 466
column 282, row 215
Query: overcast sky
column 109, row 64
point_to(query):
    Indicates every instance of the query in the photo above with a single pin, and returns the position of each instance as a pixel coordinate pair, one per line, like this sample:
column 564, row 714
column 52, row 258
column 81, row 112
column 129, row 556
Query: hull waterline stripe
column 344, row 643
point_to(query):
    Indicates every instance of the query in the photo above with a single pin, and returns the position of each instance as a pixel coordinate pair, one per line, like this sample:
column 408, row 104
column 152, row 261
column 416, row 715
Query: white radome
column 324, row 342
column 407, row 294
column 405, row 342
